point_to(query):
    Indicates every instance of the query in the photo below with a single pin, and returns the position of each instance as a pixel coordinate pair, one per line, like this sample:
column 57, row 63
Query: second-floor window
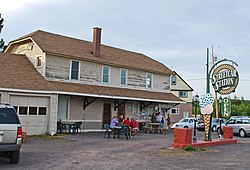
column 39, row 61
column 149, row 80
column 74, row 70
column 105, row 74
column 183, row 94
column 123, row 76
column 173, row 80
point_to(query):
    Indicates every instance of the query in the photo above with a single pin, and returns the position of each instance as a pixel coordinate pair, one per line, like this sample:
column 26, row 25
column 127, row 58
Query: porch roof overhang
column 116, row 93
column 75, row 89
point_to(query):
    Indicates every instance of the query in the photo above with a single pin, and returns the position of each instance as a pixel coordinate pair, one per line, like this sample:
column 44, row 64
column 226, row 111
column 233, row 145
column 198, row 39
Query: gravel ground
column 91, row 151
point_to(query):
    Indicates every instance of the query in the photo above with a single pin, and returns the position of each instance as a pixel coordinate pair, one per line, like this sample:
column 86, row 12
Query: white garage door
column 33, row 113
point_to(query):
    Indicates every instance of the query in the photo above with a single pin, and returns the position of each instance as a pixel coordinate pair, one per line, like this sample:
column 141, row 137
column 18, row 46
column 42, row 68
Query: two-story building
column 50, row 77
column 180, row 88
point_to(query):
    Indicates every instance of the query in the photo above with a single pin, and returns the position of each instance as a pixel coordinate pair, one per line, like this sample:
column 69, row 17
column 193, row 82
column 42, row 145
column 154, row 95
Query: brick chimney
column 97, row 41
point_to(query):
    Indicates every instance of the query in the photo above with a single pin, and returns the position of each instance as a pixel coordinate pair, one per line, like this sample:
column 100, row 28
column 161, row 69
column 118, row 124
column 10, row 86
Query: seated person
column 127, row 122
column 134, row 126
column 113, row 122
column 113, row 125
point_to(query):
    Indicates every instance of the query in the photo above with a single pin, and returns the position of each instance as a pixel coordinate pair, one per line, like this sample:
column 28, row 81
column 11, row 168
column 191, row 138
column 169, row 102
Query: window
column 42, row 111
column 23, row 110
column 123, row 76
column 149, row 80
column 183, row 94
column 173, row 80
column 174, row 111
column 39, row 61
column 74, row 70
column 105, row 74
column 16, row 108
column 32, row 110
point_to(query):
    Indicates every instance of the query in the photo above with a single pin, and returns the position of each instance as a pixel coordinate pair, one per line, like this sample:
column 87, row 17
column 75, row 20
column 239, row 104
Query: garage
column 33, row 113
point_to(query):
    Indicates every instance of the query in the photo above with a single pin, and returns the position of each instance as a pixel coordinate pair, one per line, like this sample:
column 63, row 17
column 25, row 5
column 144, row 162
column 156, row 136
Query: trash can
column 141, row 124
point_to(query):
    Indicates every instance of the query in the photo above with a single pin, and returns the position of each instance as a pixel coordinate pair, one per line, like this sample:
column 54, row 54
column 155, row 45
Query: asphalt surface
column 91, row 151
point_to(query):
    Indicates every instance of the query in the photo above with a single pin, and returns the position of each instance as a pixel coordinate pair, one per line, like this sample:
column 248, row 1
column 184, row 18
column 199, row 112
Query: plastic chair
column 75, row 127
column 107, row 130
column 60, row 127
column 124, row 132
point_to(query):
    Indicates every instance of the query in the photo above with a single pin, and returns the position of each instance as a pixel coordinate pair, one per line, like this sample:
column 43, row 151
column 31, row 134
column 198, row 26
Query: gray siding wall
column 58, row 68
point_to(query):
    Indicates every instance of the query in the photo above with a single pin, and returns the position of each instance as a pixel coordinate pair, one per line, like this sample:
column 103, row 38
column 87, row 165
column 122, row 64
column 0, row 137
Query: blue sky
column 174, row 32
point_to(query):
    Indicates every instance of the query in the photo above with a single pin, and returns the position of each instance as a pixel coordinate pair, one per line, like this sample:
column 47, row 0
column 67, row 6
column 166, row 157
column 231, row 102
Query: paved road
column 145, row 151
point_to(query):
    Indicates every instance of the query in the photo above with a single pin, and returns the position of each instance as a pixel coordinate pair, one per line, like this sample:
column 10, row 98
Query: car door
column 191, row 123
column 231, row 123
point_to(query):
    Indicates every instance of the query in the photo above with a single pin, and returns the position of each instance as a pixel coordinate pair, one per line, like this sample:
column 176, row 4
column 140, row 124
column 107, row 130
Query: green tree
column 1, row 26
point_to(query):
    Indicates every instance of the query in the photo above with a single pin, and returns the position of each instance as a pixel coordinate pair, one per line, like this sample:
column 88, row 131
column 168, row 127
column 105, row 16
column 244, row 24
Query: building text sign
column 225, row 79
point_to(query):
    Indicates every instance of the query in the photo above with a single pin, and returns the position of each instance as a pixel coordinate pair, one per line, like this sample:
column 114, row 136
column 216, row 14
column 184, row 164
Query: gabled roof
column 79, row 49
column 189, row 88
column 18, row 73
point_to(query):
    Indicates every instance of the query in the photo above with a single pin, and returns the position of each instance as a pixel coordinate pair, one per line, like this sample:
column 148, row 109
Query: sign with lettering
column 25, row 48
column 225, row 79
column 226, row 107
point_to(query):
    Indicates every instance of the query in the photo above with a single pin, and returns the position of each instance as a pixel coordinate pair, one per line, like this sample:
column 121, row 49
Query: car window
column 245, row 121
column 184, row 120
column 8, row 116
column 191, row 120
column 231, row 121
column 238, row 121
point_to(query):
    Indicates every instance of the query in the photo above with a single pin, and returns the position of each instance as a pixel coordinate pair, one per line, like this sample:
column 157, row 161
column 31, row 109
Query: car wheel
column 242, row 133
column 214, row 129
column 14, row 157
column 185, row 127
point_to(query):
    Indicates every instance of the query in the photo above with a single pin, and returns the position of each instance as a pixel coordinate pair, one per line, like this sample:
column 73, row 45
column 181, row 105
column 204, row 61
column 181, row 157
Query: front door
column 121, row 111
column 106, row 114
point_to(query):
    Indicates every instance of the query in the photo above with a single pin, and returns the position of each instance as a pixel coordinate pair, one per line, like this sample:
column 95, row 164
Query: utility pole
column 215, row 93
column 208, row 78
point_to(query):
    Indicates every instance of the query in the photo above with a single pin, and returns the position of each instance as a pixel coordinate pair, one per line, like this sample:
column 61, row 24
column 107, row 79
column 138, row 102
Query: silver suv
column 10, row 133
column 240, row 125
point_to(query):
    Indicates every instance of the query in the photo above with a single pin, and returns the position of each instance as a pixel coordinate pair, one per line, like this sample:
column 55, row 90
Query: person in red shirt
column 134, row 126
column 127, row 122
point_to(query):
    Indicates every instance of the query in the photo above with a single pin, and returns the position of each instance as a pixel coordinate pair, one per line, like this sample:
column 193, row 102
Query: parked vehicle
column 184, row 123
column 215, row 122
column 10, row 133
column 240, row 125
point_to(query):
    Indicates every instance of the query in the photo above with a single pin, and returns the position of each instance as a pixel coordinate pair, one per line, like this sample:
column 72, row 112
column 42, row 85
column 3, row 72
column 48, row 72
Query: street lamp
column 220, row 132
column 196, row 98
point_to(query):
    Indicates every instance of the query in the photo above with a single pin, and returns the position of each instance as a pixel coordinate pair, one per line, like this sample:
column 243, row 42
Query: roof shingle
column 80, row 49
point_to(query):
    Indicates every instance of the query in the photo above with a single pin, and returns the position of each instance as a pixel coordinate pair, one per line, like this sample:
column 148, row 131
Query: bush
column 190, row 149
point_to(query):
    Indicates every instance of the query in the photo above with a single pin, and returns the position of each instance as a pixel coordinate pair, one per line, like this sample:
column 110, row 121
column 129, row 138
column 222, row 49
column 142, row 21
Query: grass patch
column 190, row 149
column 187, row 151
column 46, row 136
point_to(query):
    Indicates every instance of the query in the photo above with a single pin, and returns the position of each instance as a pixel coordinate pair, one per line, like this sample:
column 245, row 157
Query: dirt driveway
column 91, row 151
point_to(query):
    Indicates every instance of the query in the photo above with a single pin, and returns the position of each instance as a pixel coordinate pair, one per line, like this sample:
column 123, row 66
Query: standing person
column 121, row 119
column 153, row 118
column 168, row 121
column 162, row 122
column 159, row 117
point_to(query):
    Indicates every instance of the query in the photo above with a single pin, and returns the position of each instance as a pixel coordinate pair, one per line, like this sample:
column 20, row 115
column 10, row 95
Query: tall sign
column 225, row 79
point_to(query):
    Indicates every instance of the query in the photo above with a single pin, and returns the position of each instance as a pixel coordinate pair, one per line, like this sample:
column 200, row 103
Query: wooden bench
column 163, row 130
column 147, row 129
